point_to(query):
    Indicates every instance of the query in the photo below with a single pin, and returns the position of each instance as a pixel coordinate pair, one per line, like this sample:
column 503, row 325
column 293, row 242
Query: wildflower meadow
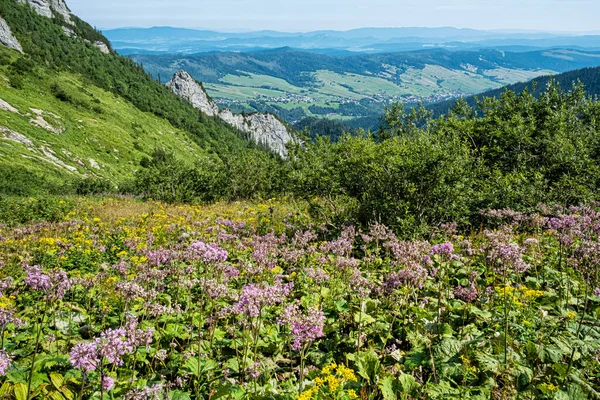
column 123, row 299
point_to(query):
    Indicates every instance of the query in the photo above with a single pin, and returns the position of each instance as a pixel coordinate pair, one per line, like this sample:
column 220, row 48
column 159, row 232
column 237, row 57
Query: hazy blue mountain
column 365, row 40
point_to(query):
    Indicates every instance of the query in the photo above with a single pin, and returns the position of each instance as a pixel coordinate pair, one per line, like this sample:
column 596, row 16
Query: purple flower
column 54, row 284
column 305, row 328
column 107, row 383
column 445, row 249
column 84, row 356
column 5, row 360
column 112, row 346
column 146, row 393
column 510, row 255
column 255, row 297
column 597, row 292
column 37, row 280
column 467, row 294
column 209, row 253
column 253, row 371
column 317, row 274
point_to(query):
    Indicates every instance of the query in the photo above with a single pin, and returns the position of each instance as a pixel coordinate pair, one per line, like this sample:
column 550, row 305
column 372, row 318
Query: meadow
column 107, row 298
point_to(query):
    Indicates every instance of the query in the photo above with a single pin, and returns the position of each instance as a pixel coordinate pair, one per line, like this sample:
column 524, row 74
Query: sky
column 308, row 15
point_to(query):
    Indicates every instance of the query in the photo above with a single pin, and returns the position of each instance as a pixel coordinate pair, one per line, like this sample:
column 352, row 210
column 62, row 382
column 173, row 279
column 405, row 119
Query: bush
column 18, row 210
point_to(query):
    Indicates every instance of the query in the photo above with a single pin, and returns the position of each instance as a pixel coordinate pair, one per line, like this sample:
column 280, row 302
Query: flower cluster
column 209, row 253
column 5, row 360
column 54, row 284
column 111, row 346
column 305, row 328
column 254, row 297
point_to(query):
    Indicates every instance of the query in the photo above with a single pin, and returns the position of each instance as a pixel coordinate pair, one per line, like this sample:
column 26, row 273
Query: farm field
column 119, row 298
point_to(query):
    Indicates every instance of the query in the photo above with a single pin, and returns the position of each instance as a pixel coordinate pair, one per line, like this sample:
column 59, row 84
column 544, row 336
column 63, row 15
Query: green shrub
column 21, row 210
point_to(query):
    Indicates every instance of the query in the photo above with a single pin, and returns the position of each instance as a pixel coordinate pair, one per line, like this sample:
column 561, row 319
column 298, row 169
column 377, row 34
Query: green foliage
column 513, row 152
column 17, row 211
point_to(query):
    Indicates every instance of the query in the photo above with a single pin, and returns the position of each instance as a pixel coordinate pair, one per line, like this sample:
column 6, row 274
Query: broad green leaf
column 179, row 395
column 57, row 380
column 387, row 388
column 20, row 391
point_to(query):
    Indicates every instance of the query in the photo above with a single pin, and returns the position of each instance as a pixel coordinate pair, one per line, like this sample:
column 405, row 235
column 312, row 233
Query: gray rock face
column 7, row 38
column 184, row 86
column 48, row 8
column 102, row 47
column 264, row 129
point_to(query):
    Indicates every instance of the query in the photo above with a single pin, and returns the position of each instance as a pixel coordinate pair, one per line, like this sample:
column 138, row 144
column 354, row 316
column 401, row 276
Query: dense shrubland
column 514, row 152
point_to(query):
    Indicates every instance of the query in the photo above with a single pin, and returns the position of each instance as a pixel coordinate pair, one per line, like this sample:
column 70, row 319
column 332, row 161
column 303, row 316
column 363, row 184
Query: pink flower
column 5, row 360
column 107, row 383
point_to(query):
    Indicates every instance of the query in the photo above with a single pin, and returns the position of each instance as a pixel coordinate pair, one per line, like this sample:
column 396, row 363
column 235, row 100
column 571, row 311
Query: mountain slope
column 265, row 129
column 588, row 77
column 69, row 110
column 299, row 84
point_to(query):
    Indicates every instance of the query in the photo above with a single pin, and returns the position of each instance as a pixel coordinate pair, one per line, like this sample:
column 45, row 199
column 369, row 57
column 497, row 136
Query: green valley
column 296, row 84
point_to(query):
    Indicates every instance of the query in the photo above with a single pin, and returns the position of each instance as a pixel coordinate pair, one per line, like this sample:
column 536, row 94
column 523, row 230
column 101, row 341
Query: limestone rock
column 264, row 129
column 7, row 107
column 69, row 32
column 184, row 86
column 102, row 47
column 48, row 8
column 13, row 136
column 41, row 122
column 7, row 38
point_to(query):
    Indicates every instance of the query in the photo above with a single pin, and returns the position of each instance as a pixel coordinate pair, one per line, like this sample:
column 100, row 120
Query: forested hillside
column 108, row 114
column 588, row 77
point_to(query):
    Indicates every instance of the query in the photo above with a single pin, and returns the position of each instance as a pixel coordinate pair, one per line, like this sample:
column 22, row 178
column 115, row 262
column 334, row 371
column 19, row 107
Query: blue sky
column 306, row 15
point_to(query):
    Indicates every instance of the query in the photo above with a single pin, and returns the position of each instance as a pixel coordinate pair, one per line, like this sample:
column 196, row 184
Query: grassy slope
column 97, row 125
column 113, row 114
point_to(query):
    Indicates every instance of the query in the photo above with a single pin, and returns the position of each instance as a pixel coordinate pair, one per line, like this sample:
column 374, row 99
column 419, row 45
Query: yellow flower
column 352, row 394
column 346, row 373
column 327, row 370
column 571, row 315
column 333, row 383
column 308, row 394
column 277, row 270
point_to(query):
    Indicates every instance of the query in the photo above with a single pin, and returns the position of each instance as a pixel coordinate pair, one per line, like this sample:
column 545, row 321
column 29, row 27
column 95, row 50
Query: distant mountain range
column 295, row 84
column 164, row 40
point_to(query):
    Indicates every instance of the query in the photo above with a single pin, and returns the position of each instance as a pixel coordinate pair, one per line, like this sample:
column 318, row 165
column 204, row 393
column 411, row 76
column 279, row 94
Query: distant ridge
column 589, row 77
column 363, row 40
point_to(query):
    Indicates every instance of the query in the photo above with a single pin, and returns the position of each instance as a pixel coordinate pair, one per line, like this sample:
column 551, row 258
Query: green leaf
column 408, row 383
column 368, row 365
column 20, row 391
column 363, row 318
column 57, row 380
column 387, row 388
column 179, row 395
column 5, row 389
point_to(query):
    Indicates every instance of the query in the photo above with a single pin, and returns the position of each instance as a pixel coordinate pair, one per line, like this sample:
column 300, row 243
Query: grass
column 331, row 86
column 101, row 134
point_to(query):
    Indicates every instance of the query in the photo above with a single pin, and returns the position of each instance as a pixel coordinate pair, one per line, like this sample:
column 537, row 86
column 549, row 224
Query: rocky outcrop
column 50, row 8
column 184, row 86
column 7, row 107
column 264, row 129
column 7, row 38
column 102, row 47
